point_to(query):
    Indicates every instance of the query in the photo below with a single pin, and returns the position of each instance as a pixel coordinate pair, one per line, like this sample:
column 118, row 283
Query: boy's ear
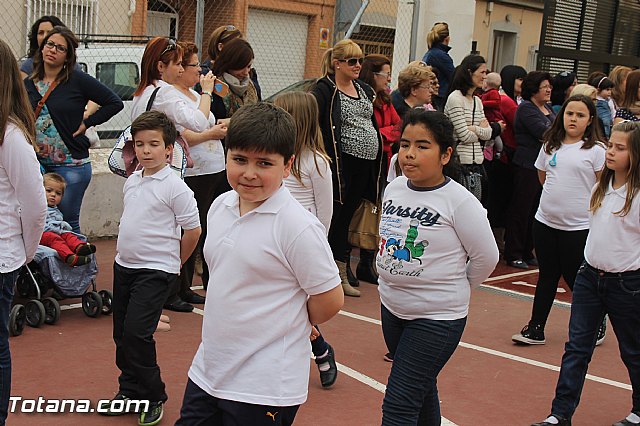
column 287, row 166
column 169, row 150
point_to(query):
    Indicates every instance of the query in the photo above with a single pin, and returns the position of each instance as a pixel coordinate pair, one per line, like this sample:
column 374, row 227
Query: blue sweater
column 438, row 57
column 66, row 106
column 54, row 221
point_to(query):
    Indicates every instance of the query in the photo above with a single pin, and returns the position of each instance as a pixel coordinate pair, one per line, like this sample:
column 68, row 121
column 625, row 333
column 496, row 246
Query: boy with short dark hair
column 273, row 275
column 150, row 252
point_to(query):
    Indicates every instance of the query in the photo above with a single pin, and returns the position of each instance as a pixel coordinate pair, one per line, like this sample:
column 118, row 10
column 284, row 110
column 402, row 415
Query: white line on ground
column 515, row 274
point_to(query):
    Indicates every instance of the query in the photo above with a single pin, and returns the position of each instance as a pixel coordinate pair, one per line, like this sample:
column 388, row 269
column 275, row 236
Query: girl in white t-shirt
column 436, row 244
column 569, row 163
column 608, row 282
column 310, row 184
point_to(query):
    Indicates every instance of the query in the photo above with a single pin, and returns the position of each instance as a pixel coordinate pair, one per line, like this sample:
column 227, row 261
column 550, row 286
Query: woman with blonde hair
column 414, row 86
column 438, row 56
column 352, row 141
column 23, row 207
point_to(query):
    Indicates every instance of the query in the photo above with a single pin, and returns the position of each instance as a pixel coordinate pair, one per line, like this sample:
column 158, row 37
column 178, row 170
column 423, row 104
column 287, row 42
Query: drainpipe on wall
column 199, row 25
column 357, row 18
column 132, row 8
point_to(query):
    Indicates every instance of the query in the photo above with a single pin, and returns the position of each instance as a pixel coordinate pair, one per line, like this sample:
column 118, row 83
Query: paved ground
column 489, row 380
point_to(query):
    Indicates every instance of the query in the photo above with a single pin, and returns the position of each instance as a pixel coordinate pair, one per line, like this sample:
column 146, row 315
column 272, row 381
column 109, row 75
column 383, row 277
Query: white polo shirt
column 613, row 244
column 570, row 175
column 156, row 207
column 263, row 266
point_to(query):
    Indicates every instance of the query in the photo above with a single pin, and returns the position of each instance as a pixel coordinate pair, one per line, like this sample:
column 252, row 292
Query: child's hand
column 314, row 333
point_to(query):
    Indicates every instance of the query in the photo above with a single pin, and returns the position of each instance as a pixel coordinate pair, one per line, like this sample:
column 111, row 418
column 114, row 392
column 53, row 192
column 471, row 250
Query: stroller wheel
column 17, row 318
column 107, row 298
column 51, row 309
column 35, row 313
column 91, row 304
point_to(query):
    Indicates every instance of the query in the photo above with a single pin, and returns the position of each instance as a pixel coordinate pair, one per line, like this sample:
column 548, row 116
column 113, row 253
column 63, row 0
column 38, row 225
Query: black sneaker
column 328, row 377
column 602, row 331
column 153, row 415
column 561, row 422
column 115, row 407
column 530, row 335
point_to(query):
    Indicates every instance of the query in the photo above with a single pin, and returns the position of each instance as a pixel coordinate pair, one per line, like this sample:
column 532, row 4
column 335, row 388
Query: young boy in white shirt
column 273, row 275
column 150, row 252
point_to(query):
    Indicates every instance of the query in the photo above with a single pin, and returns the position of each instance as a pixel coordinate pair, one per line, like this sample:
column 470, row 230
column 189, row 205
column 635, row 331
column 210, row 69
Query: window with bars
column 81, row 16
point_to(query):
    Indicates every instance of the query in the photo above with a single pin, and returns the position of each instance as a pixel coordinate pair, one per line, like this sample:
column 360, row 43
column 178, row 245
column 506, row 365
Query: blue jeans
column 77, row 178
column 421, row 348
column 7, row 283
column 594, row 295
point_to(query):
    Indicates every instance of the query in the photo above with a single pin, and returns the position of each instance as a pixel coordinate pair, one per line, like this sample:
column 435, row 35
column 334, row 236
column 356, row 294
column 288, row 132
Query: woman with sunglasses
column 352, row 140
column 60, row 124
column 217, row 41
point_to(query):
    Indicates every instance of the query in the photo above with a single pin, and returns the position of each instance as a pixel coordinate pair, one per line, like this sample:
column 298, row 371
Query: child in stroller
column 57, row 233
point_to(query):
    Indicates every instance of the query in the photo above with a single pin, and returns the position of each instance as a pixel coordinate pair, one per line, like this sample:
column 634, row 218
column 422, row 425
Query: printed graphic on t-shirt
column 400, row 248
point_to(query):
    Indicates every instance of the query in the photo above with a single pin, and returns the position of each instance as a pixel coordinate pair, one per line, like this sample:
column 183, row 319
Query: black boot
column 365, row 270
column 350, row 277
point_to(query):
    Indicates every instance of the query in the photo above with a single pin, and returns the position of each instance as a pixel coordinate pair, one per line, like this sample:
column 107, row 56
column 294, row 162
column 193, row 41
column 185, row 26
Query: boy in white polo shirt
column 273, row 275
column 150, row 252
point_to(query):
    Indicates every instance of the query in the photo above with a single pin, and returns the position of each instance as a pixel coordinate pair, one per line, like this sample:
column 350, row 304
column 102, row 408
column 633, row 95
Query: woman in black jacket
column 353, row 142
column 60, row 124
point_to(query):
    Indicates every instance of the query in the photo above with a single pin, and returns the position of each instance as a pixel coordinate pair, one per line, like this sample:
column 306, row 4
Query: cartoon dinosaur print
column 410, row 250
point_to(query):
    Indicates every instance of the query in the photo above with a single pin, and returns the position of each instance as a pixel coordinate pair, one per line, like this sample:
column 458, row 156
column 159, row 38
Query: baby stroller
column 48, row 279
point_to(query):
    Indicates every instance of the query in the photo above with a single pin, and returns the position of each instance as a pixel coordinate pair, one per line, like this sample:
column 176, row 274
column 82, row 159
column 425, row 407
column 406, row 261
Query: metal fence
column 288, row 37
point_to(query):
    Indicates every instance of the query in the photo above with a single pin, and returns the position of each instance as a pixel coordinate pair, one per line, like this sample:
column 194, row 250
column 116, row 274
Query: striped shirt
column 460, row 111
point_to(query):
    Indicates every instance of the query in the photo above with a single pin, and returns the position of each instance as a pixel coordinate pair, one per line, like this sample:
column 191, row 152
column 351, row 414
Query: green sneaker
column 115, row 407
column 153, row 415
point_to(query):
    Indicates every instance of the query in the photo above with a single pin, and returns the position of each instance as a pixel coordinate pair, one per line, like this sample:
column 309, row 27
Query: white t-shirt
column 427, row 234
column 156, row 207
column 208, row 156
column 571, row 173
column 391, row 174
column 169, row 101
column 255, row 332
column 613, row 244
column 315, row 193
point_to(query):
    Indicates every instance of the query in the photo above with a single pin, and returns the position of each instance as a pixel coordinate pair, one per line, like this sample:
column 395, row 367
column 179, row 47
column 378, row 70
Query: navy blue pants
column 7, row 283
column 201, row 409
column 421, row 348
column 594, row 295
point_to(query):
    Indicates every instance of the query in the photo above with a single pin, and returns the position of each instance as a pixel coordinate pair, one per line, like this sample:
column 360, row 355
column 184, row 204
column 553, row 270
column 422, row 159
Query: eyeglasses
column 352, row 61
column 171, row 46
column 423, row 86
column 57, row 47
column 383, row 74
column 546, row 86
column 196, row 65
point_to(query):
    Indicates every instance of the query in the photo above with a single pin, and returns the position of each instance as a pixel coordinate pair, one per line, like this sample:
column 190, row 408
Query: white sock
column 552, row 419
column 633, row 418
column 325, row 365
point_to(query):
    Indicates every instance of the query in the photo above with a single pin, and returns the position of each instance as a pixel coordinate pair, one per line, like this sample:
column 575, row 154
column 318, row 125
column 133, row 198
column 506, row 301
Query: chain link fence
column 288, row 37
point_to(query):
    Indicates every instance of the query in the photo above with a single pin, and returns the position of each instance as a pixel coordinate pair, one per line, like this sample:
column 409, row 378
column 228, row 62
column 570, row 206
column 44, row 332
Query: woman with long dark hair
column 38, row 32
column 60, row 124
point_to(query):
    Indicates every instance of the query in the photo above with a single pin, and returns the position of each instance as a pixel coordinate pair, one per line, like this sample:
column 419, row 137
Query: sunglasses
column 171, row 46
column 352, row 61
column 57, row 47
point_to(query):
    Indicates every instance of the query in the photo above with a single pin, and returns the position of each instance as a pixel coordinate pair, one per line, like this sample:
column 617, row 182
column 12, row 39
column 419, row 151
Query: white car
column 116, row 65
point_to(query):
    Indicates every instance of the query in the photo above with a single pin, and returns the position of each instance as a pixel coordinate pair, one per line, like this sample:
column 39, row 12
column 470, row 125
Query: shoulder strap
column 473, row 114
column 44, row 98
column 152, row 98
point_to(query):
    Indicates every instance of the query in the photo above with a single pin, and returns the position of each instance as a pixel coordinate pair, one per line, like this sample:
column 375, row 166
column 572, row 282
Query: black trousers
column 359, row 177
column 138, row 297
column 206, row 188
column 560, row 254
column 500, row 177
column 201, row 409
column 518, row 238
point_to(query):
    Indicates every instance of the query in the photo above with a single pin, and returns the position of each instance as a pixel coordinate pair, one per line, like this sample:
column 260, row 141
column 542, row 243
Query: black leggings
column 358, row 176
column 559, row 253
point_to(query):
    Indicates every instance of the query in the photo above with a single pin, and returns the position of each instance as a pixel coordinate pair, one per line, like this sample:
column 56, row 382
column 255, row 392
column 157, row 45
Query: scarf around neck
column 238, row 87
